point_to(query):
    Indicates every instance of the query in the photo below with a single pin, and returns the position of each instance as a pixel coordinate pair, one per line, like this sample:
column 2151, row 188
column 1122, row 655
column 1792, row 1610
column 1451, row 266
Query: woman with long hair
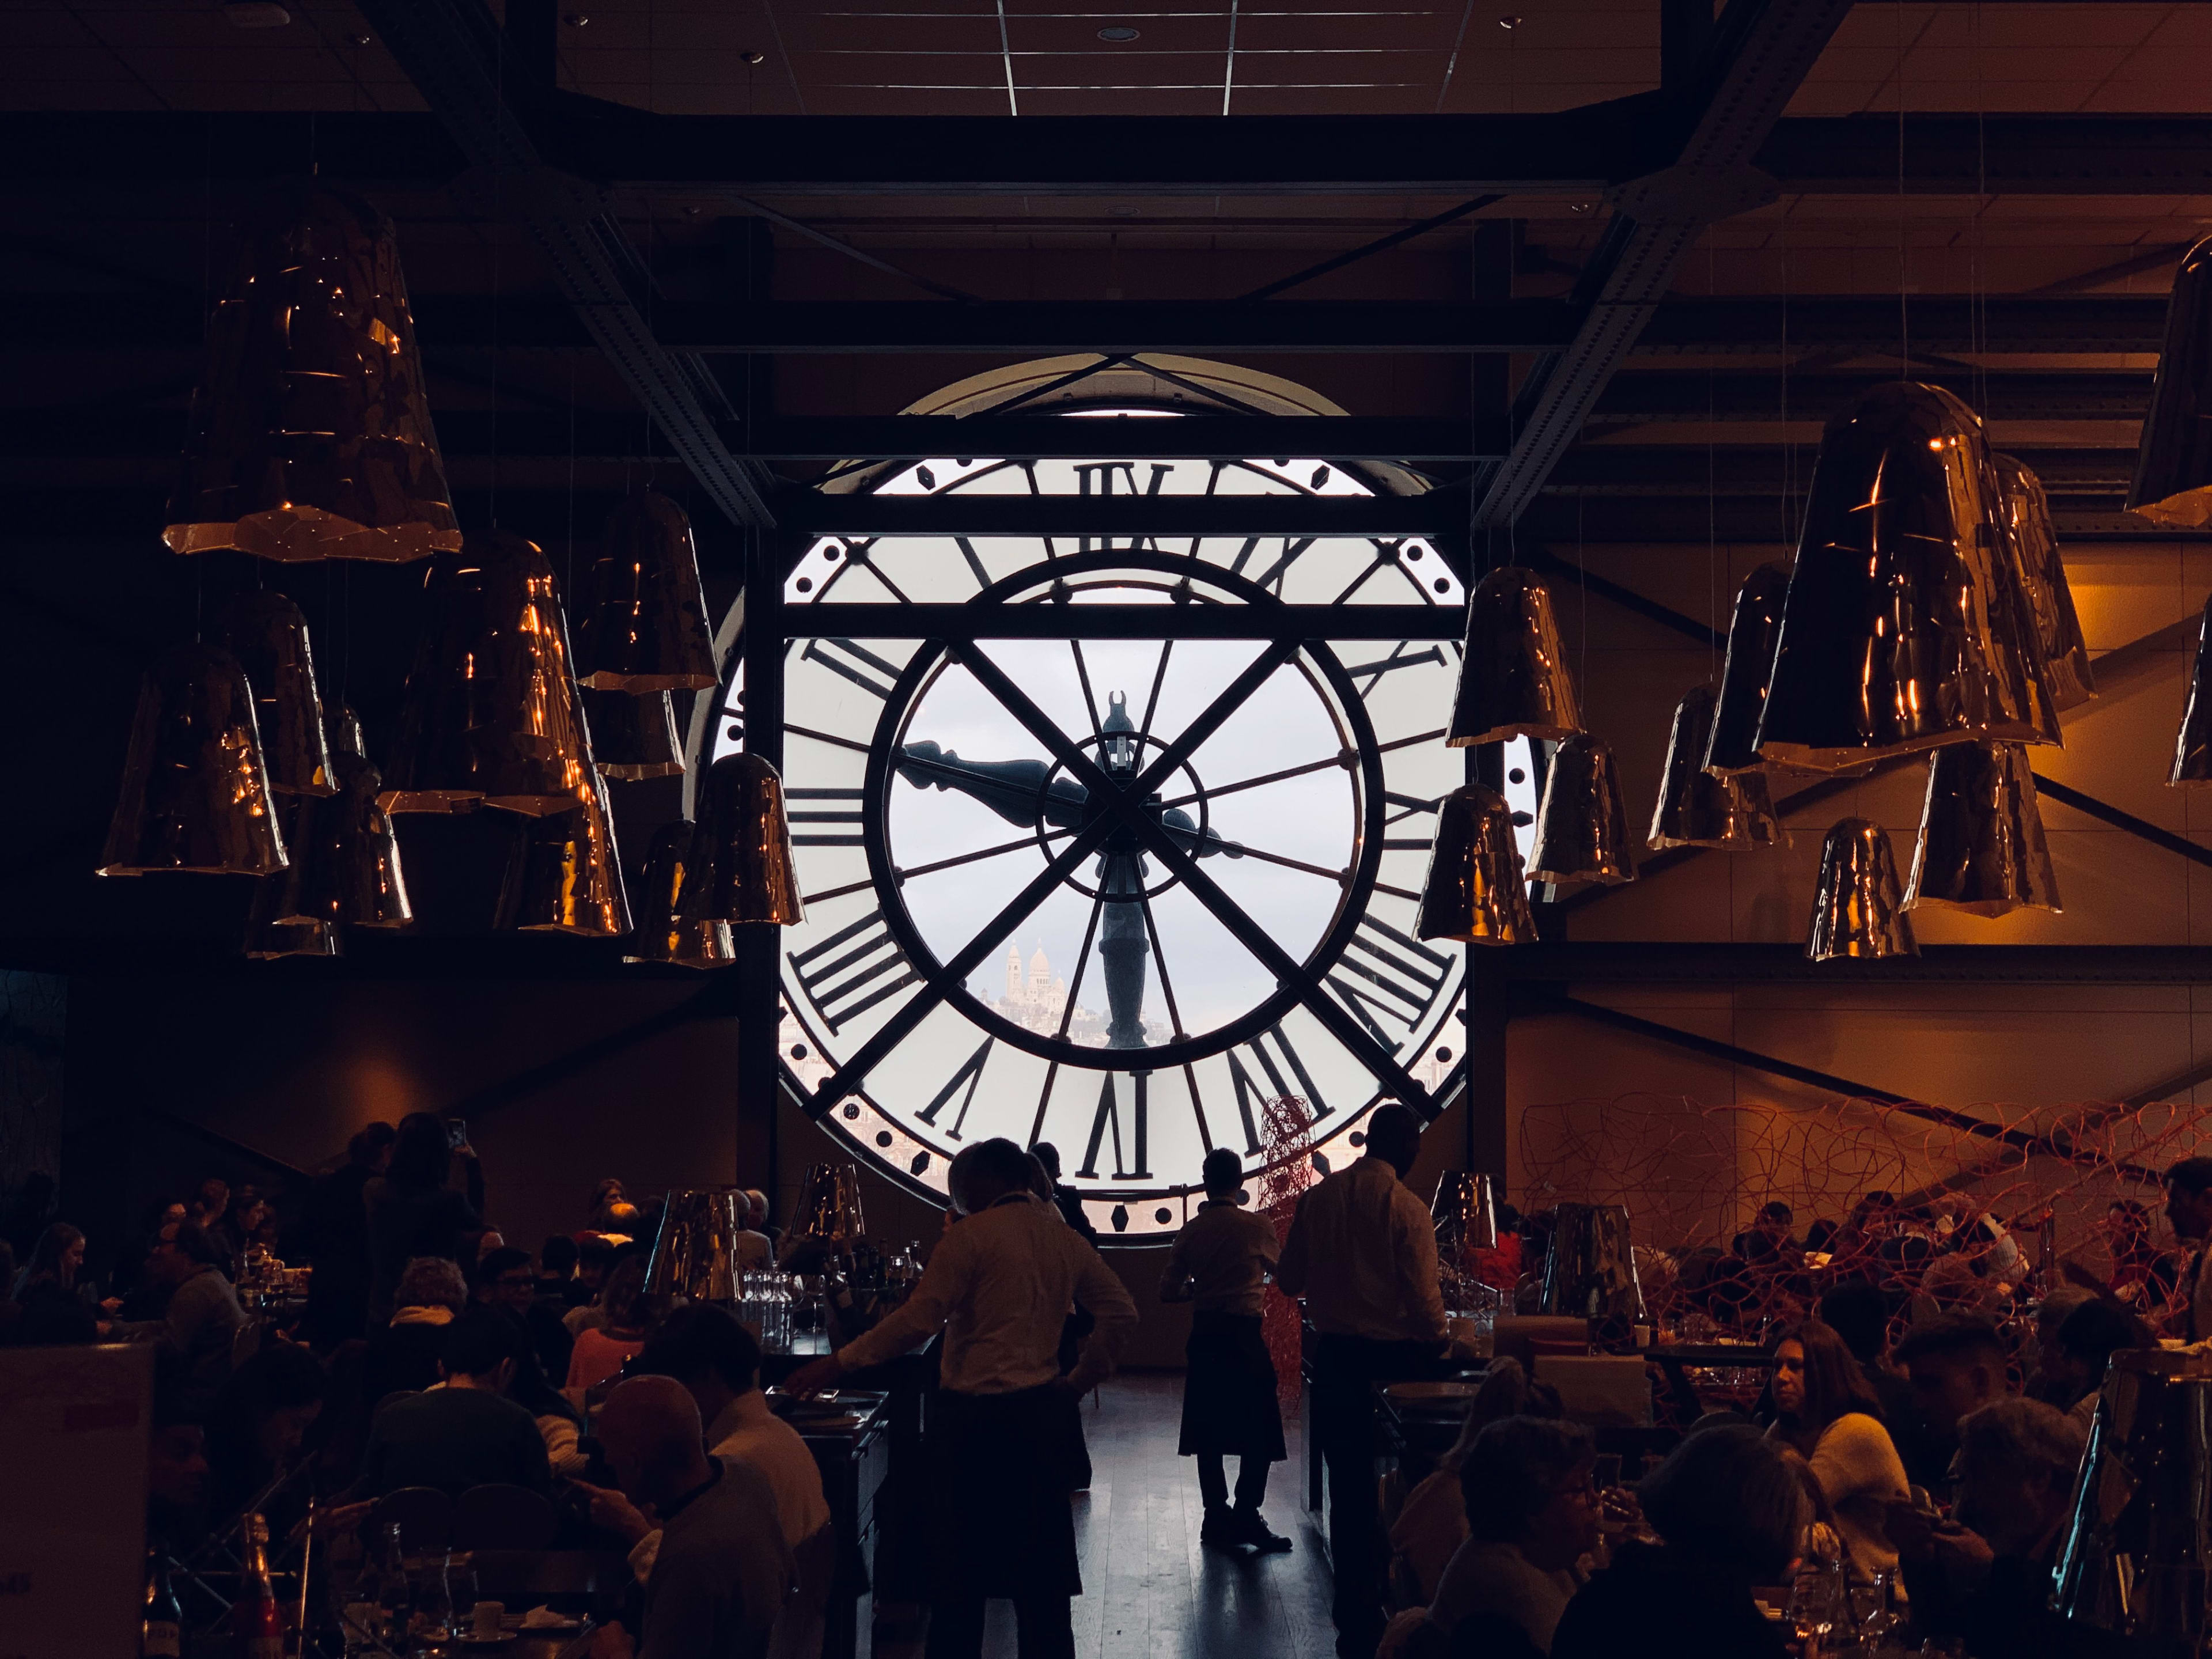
column 1431, row 1523
column 53, row 1265
column 601, row 1353
column 1826, row 1414
column 412, row 1212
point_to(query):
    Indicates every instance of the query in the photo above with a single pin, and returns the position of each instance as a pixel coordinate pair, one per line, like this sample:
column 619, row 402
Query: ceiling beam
column 1735, row 325
column 1759, row 53
column 1379, row 622
column 1570, row 963
column 1742, row 395
column 1098, row 517
column 451, row 50
column 1582, row 151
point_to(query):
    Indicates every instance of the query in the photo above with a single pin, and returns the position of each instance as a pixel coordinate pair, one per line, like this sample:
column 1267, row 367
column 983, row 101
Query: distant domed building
column 1035, row 998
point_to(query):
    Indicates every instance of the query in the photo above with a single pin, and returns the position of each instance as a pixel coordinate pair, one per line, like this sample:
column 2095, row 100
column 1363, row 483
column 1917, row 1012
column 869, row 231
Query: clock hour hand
column 1015, row 790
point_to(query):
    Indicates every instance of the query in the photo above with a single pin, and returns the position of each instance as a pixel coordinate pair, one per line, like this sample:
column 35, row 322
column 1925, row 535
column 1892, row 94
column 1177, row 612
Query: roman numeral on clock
column 853, row 970
column 1279, row 1062
column 1108, row 1116
column 856, row 662
column 971, row 1073
column 830, row 807
column 1387, row 974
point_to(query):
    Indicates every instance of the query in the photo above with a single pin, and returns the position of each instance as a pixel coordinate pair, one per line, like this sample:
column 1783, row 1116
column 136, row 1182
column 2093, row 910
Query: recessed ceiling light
column 1117, row 32
column 752, row 57
column 1508, row 22
column 256, row 14
column 575, row 20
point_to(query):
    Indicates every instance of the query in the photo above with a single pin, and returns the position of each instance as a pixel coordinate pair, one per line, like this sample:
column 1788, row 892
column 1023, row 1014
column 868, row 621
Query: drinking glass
column 461, row 1591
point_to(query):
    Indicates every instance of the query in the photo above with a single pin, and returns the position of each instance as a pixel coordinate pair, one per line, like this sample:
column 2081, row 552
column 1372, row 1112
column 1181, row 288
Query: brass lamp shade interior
column 492, row 715
column 2192, row 748
column 740, row 868
column 829, row 1205
column 310, row 435
column 1729, row 813
column 640, row 617
column 272, row 926
column 564, row 875
column 1513, row 679
column 1464, row 1214
column 1982, row 848
column 694, row 1253
column 195, row 794
column 371, row 881
column 1590, row 1271
column 1753, row 627
column 343, row 727
column 1474, row 891
column 633, row 734
column 268, row 635
column 1581, row 828
column 2042, row 575
column 1903, row 628
column 1858, row 910
column 660, row 935
column 2173, row 460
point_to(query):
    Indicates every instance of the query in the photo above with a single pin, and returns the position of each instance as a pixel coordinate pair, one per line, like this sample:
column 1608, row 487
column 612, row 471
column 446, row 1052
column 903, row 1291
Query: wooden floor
column 1150, row 1592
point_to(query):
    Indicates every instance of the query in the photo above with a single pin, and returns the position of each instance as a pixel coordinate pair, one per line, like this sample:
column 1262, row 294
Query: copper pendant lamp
column 268, row 635
column 310, row 435
column 492, row 716
column 565, row 875
column 1858, row 908
column 195, row 794
column 1581, row 828
column 1754, row 626
column 2192, row 749
column 1513, row 679
column 633, row 734
column 660, row 935
column 1903, row 628
column 1475, row 889
column 1730, row 814
column 343, row 729
column 2042, row 572
column 1982, row 848
column 371, row 881
column 740, row 868
column 272, row 929
column 640, row 617
column 2173, row 461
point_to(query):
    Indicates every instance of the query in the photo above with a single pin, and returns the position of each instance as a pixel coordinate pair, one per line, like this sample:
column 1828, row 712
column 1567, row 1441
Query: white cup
column 485, row 1622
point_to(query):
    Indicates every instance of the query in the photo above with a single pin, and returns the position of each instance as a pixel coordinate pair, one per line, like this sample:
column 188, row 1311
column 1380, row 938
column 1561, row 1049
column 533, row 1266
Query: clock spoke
column 932, row 868
column 1289, row 772
column 1159, row 674
column 1288, row 863
column 1160, row 960
column 1090, row 698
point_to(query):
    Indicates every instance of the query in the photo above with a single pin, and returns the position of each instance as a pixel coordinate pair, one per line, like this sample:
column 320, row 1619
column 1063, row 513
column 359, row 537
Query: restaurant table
column 849, row 1432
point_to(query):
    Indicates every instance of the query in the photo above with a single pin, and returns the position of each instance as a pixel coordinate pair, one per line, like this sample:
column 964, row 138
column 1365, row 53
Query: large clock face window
column 1116, row 888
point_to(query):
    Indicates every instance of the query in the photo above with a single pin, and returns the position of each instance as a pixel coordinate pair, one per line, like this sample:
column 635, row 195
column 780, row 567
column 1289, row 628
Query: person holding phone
column 412, row 1208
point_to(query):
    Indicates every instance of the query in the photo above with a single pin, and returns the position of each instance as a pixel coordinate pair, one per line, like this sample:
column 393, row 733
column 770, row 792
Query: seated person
column 203, row 1317
column 2049, row 1314
column 1532, row 1515
column 402, row 1356
column 1431, row 1523
column 1730, row 1512
column 1825, row 1413
column 464, row 1432
column 2075, row 1365
column 721, row 1575
column 601, row 1351
column 506, row 1279
column 1856, row 1309
column 1986, row 1579
column 1956, row 1364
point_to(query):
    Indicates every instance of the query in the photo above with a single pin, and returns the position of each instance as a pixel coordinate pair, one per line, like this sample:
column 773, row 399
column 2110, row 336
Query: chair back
column 424, row 1515
column 245, row 1343
column 503, row 1517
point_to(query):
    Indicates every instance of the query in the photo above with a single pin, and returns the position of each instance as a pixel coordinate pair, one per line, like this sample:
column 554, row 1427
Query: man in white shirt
column 718, row 1362
column 2189, row 1207
column 1361, row 1252
column 1003, row 1425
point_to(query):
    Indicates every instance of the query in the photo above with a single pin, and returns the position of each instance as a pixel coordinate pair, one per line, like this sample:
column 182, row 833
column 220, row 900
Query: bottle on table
column 256, row 1619
column 163, row 1635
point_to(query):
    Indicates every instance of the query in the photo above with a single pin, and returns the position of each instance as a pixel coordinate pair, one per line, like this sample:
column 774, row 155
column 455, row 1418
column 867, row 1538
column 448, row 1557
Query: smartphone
column 457, row 1133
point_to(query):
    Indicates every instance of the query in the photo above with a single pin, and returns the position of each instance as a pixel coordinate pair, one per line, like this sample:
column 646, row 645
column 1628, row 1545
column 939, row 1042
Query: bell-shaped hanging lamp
column 740, row 868
column 640, row 617
column 492, row 716
column 343, row 727
column 268, row 635
column 633, row 734
column 371, row 881
column 661, row 935
column 1753, row 627
column 2192, row 749
column 310, row 890
column 565, row 874
column 1475, row 889
column 1581, row 828
column 1858, row 910
column 2042, row 574
column 1981, row 847
column 1903, row 628
column 195, row 794
column 310, row 435
column 695, row 1252
column 1729, row 813
column 2173, row 458
column 829, row 1205
column 1513, row 680
column 272, row 929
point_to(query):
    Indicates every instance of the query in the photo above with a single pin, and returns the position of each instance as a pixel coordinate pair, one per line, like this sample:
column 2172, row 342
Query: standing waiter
column 1362, row 1251
column 998, row 1285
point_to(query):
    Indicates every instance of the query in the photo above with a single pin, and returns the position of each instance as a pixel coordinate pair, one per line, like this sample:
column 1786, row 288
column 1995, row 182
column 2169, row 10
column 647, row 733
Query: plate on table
column 1431, row 1394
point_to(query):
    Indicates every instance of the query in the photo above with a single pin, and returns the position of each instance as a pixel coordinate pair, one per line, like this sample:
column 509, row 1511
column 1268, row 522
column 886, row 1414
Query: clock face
column 1115, row 893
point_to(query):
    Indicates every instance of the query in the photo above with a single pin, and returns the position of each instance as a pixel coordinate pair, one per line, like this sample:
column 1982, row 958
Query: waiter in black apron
column 1219, row 1264
column 1362, row 1251
column 998, row 1285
